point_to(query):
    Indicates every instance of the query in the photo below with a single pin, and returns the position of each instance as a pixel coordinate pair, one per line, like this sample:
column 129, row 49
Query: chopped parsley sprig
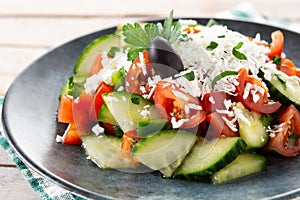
column 141, row 37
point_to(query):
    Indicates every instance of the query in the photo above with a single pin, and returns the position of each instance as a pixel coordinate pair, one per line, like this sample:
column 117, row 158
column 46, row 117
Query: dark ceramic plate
column 29, row 122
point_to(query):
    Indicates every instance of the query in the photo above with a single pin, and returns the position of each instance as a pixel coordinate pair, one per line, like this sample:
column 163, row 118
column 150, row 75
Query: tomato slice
column 97, row 65
column 277, row 44
column 290, row 124
column 138, row 74
column 65, row 109
column 180, row 108
column 218, row 127
column 262, row 105
column 288, row 67
column 214, row 100
column 83, row 120
column 98, row 100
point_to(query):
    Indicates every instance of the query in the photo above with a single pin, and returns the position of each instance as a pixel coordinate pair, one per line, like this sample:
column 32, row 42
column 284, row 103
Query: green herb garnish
column 277, row 60
column 141, row 37
column 118, row 131
column 212, row 46
column 190, row 76
column 238, row 54
column 133, row 53
column 221, row 36
column 135, row 100
column 113, row 50
column 222, row 75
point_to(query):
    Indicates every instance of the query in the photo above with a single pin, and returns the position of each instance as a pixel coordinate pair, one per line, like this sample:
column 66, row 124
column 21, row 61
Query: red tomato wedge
column 71, row 136
column 277, row 44
column 262, row 105
column 288, row 67
column 97, row 65
column 98, row 100
column 81, row 112
column 219, row 127
column 214, row 100
column 138, row 74
column 290, row 124
column 65, row 109
column 172, row 103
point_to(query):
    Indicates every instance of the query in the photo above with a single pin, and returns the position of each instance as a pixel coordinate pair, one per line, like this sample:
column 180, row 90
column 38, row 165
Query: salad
column 192, row 101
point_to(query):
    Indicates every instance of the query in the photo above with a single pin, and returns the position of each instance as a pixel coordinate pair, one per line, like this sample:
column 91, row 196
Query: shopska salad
column 199, row 102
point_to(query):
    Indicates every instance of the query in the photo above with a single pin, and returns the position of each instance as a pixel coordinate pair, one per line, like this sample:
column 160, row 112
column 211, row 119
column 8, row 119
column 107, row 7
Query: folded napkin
column 47, row 190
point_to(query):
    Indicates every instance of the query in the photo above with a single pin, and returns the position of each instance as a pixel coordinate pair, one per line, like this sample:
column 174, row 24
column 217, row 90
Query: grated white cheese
column 209, row 63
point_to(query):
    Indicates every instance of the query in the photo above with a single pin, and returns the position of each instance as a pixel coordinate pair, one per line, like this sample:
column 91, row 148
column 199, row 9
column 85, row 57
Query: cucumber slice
column 251, row 128
column 105, row 152
column 105, row 115
column 285, row 89
column 165, row 150
column 129, row 108
column 207, row 157
column 148, row 126
column 104, row 43
column 244, row 165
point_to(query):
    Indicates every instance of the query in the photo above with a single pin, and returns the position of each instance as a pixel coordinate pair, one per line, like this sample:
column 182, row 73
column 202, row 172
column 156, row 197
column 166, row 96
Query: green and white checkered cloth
column 47, row 190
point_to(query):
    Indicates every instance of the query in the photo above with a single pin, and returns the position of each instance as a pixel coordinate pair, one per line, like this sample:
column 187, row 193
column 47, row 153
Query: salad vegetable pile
column 192, row 101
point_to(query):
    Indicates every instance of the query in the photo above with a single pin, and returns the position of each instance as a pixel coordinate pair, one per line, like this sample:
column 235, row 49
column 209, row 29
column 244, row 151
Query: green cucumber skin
column 205, row 174
column 245, row 164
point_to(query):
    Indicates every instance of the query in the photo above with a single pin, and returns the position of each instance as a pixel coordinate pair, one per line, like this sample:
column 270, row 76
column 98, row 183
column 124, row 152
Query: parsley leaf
column 238, row 54
column 113, row 50
column 133, row 53
column 212, row 46
column 139, row 36
column 190, row 76
column 277, row 60
column 222, row 75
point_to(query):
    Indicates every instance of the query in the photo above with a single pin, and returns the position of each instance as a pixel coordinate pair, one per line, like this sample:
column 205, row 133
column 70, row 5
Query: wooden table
column 30, row 28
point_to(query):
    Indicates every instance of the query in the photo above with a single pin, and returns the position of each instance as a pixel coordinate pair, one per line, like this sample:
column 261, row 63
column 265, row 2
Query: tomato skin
column 81, row 112
column 263, row 105
column 277, row 44
column 172, row 107
column 218, row 98
column 219, row 127
column 65, row 109
column 288, row 67
column 289, row 119
column 129, row 140
column 135, row 77
column 71, row 136
column 97, row 65
column 98, row 100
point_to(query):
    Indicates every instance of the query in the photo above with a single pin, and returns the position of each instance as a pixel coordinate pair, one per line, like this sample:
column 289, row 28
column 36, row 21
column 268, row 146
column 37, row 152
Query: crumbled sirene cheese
column 142, row 64
column 177, row 124
column 211, row 100
column 97, row 129
column 59, row 139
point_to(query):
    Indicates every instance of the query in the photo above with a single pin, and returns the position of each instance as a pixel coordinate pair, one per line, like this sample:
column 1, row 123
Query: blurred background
column 31, row 28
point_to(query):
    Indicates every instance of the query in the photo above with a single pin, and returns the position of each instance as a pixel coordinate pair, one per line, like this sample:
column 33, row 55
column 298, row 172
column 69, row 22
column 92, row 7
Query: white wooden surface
column 30, row 28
